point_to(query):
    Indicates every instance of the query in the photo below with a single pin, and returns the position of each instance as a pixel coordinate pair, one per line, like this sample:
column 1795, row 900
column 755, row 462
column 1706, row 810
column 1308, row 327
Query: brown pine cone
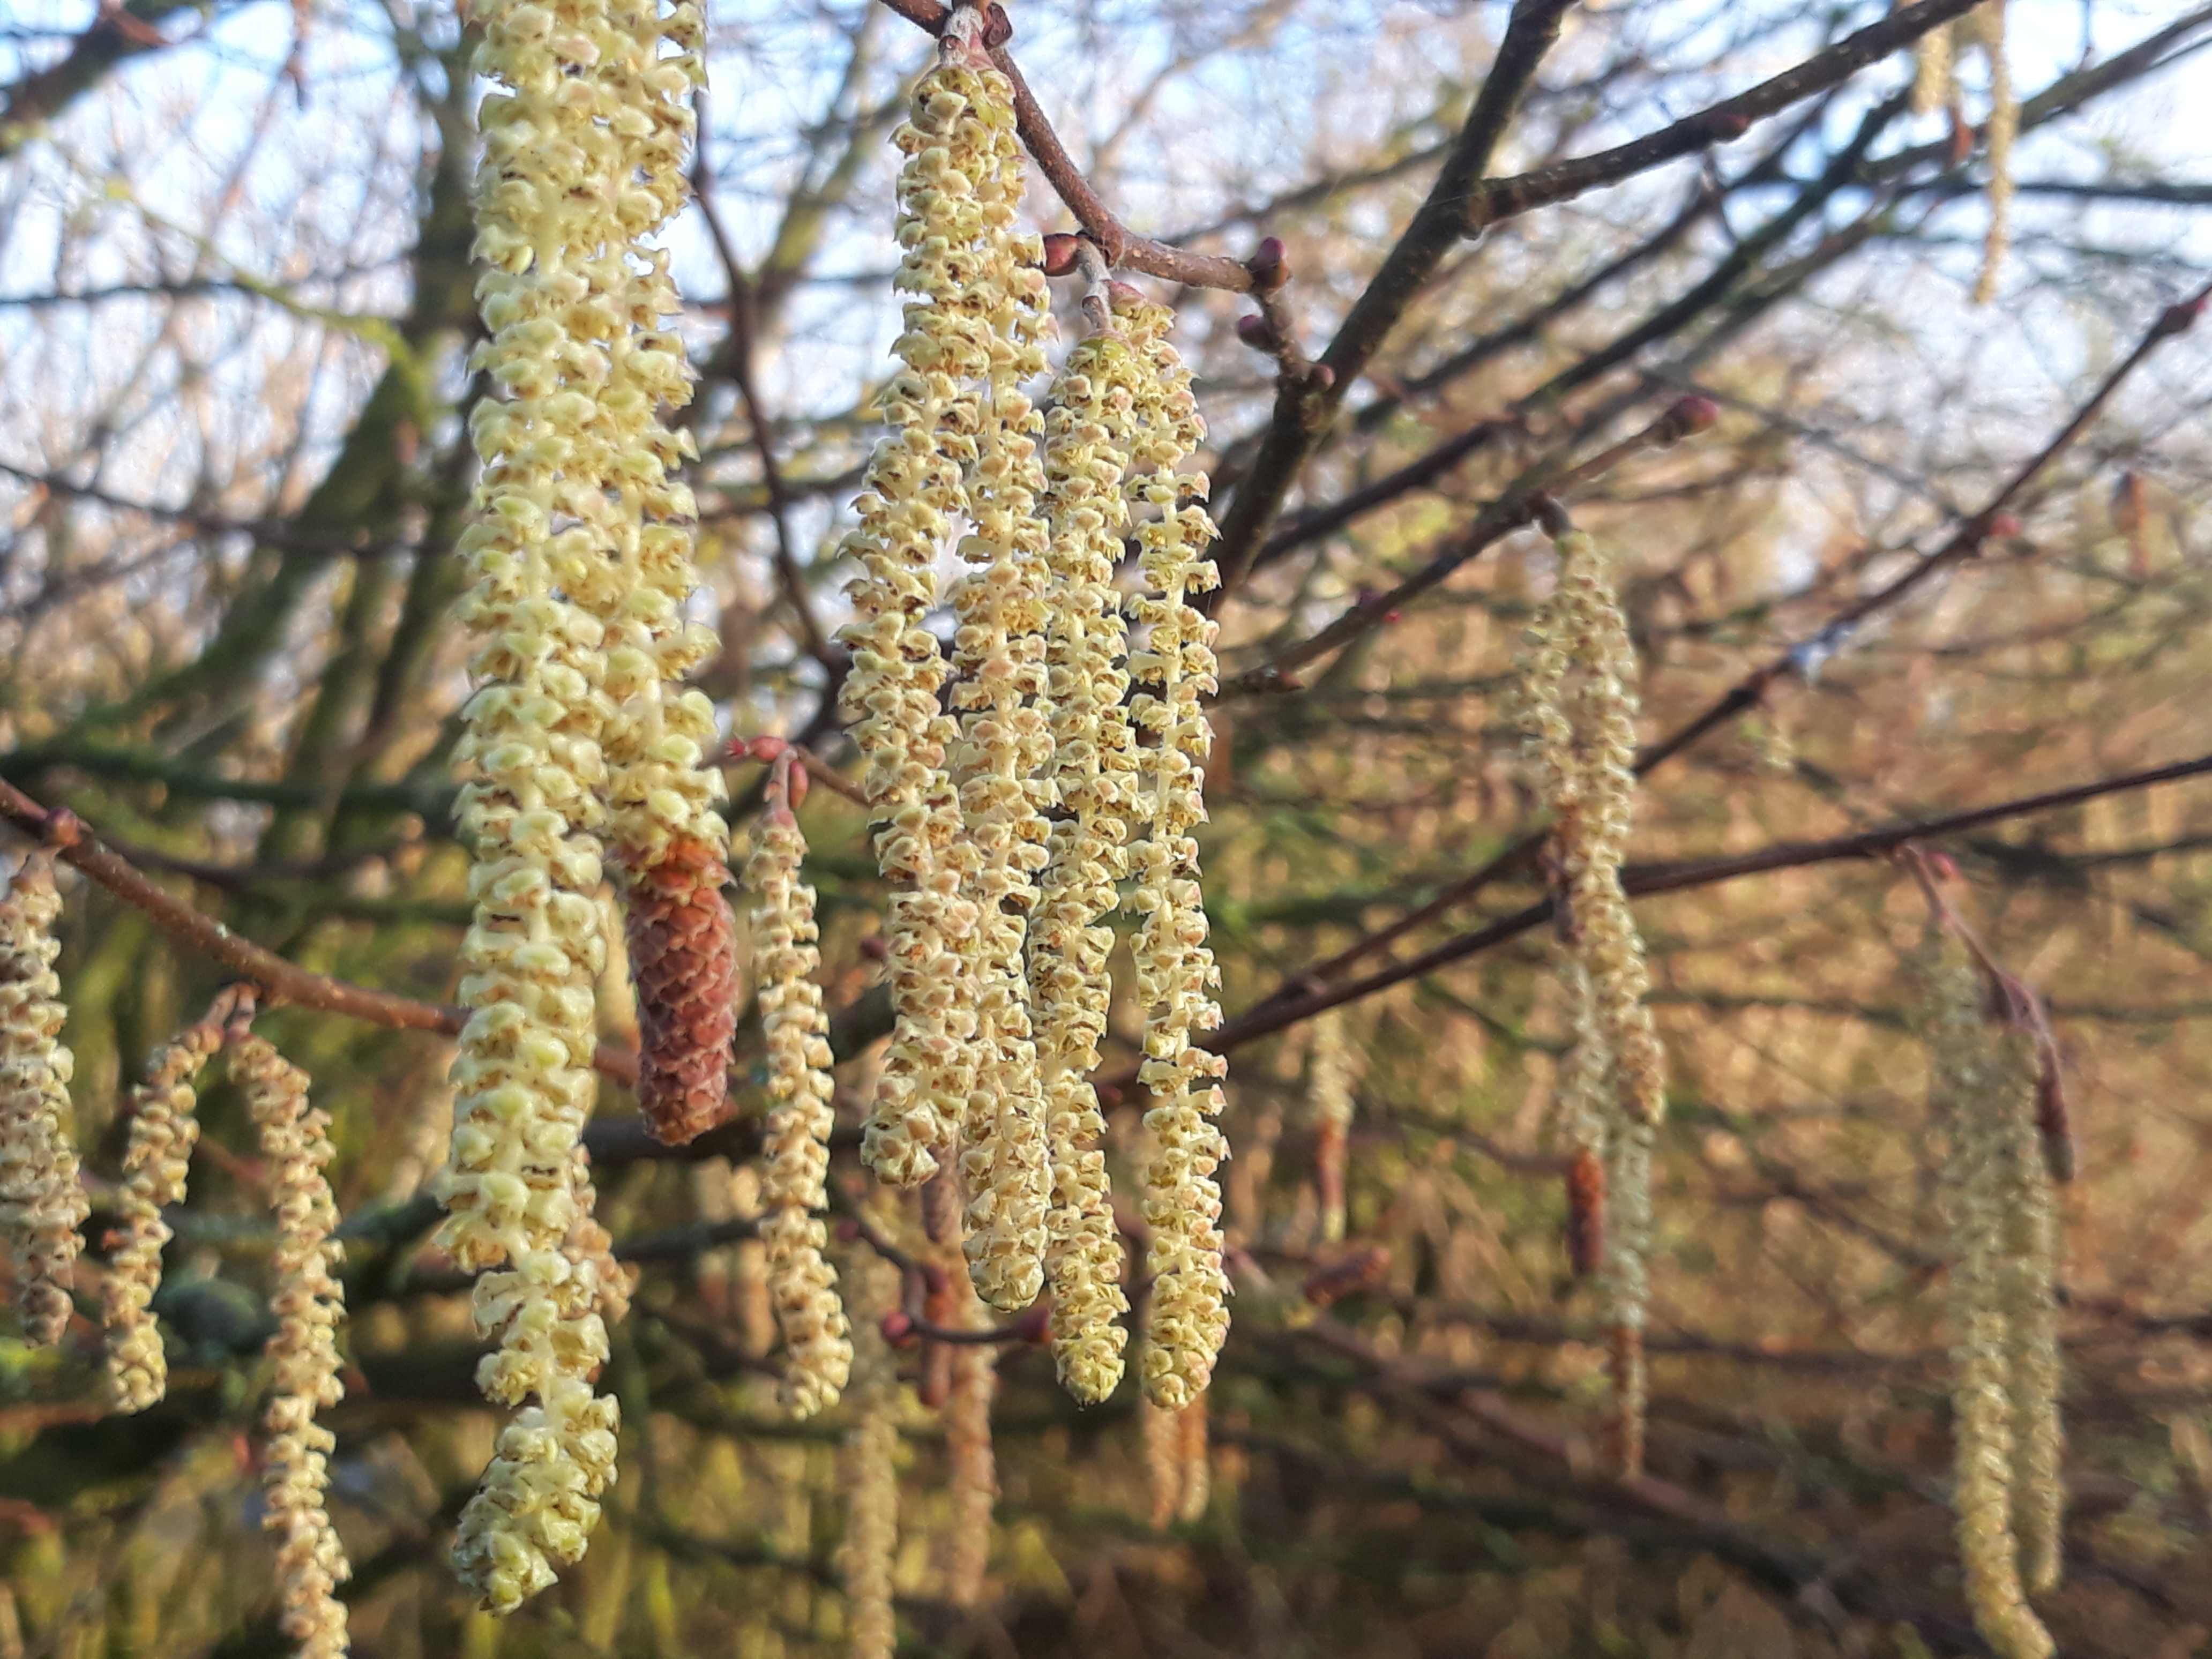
column 683, row 959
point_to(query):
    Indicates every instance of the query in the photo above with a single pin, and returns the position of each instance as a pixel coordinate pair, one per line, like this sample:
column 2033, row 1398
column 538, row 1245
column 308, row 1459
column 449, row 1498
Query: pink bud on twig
column 1062, row 251
column 1256, row 332
column 1691, row 416
column 1269, row 264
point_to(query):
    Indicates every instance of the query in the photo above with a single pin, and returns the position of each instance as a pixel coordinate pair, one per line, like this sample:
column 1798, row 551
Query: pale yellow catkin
column 999, row 763
column 309, row 1304
column 1986, row 24
column 556, row 180
column 913, row 489
column 801, row 1283
column 1577, row 709
column 638, row 572
column 1187, row 1316
column 42, row 1200
column 1932, row 82
column 1982, row 1092
column 870, row 1468
column 163, row 1131
column 1088, row 433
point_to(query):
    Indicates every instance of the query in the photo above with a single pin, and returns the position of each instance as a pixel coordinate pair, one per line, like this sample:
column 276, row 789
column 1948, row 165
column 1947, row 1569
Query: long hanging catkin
column 1985, row 26
column 309, row 1302
column 953, row 140
column 869, row 1468
column 42, row 1201
column 1005, row 744
column 549, row 191
column 1188, row 1317
column 1578, row 703
column 163, row 1131
column 1089, row 430
column 2004, row 1359
column 802, row 1284
column 668, row 847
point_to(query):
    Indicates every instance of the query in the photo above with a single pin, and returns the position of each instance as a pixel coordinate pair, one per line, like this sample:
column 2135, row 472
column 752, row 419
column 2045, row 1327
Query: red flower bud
column 1692, row 414
column 1060, row 249
column 898, row 1329
column 1256, row 333
column 1269, row 264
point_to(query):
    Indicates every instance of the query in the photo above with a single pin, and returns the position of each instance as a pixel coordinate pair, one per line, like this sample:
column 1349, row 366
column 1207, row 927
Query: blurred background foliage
column 234, row 307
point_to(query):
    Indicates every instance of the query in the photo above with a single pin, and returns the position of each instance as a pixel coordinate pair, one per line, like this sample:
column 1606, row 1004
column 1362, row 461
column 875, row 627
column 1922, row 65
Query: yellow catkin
column 1931, row 71
column 1578, row 708
column 1187, row 1315
column 163, row 1131
column 973, row 1474
column 42, row 1201
column 657, row 735
column 802, row 1285
column 1987, row 25
column 551, row 192
column 999, row 764
column 1088, row 431
column 1329, row 1080
column 1981, row 1090
column 870, row 1468
column 959, row 120
column 309, row 1302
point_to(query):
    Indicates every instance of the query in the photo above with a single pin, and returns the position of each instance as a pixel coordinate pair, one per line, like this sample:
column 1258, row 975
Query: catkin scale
column 42, row 1200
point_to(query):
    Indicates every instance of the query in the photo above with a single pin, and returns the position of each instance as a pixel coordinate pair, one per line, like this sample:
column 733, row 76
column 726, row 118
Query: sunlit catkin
column 869, row 1469
column 2003, row 1348
column 802, row 1285
column 1577, row 710
column 913, row 489
column 667, row 845
column 1088, row 431
column 309, row 1302
column 1004, row 745
column 42, row 1201
column 550, row 197
column 163, row 1131
column 1932, row 60
column 1187, row 1316
column 1985, row 25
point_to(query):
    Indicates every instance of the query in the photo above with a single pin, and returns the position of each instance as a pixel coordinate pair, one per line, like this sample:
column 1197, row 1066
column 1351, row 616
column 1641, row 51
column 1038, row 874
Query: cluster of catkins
column 581, row 554
column 43, row 1205
column 1067, row 762
column 2000, row 1212
column 1936, row 87
column 1578, row 708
